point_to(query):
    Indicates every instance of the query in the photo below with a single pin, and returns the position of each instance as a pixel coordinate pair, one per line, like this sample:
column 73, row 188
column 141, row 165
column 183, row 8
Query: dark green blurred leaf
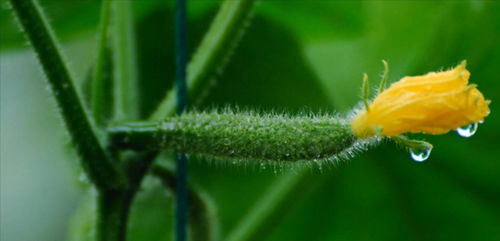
column 152, row 214
column 268, row 70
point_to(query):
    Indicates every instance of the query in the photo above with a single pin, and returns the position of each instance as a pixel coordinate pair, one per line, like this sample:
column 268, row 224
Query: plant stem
column 202, row 214
column 97, row 165
column 114, row 205
column 102, row 75
column 113, row 208
column 211, row 55
column 125, row 72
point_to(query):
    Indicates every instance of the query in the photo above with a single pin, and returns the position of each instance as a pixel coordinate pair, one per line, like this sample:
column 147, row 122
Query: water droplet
column 467, row 131
column 420, row 155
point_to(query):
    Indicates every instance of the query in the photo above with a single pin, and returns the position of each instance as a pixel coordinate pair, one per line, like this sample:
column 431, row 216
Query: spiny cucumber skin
column 242, row 136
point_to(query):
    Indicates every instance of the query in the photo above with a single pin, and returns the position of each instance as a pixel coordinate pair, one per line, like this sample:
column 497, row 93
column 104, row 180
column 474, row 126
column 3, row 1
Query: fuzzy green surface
column 242, row 135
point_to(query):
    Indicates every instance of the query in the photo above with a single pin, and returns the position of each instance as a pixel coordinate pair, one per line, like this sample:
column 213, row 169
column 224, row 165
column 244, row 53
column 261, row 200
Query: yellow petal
column 434, row 103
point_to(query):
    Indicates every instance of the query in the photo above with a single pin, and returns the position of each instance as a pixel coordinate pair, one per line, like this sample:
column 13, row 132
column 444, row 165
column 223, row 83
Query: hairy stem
column 124, row 59
column 241, row 136
column 202, row 214
column 97, row 165
column 212, row 53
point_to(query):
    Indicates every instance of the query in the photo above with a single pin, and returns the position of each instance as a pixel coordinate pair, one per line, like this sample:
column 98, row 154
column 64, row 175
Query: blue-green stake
column 181, row 62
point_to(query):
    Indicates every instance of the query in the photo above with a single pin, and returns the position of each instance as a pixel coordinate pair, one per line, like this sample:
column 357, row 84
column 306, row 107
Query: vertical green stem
column 96, row 163
column 114, row 205
column 113, row 208
column 124, row 59
column 102, row 76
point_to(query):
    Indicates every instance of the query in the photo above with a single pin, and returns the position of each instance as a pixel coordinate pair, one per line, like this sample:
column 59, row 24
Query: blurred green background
column 294, row 54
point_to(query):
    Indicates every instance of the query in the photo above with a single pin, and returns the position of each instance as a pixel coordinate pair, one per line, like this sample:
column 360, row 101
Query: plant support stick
column 181, row 207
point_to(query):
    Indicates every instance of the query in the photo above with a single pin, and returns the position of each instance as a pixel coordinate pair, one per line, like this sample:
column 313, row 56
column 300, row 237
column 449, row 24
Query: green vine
column 124, row 59
column 102, row 79
column 100, row 169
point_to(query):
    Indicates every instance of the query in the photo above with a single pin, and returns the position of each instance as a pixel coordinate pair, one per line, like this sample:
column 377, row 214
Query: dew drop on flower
column 420, row 155
column 467, row 131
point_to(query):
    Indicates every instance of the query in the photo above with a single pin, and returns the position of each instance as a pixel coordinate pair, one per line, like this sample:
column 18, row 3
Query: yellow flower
column 434, row 103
